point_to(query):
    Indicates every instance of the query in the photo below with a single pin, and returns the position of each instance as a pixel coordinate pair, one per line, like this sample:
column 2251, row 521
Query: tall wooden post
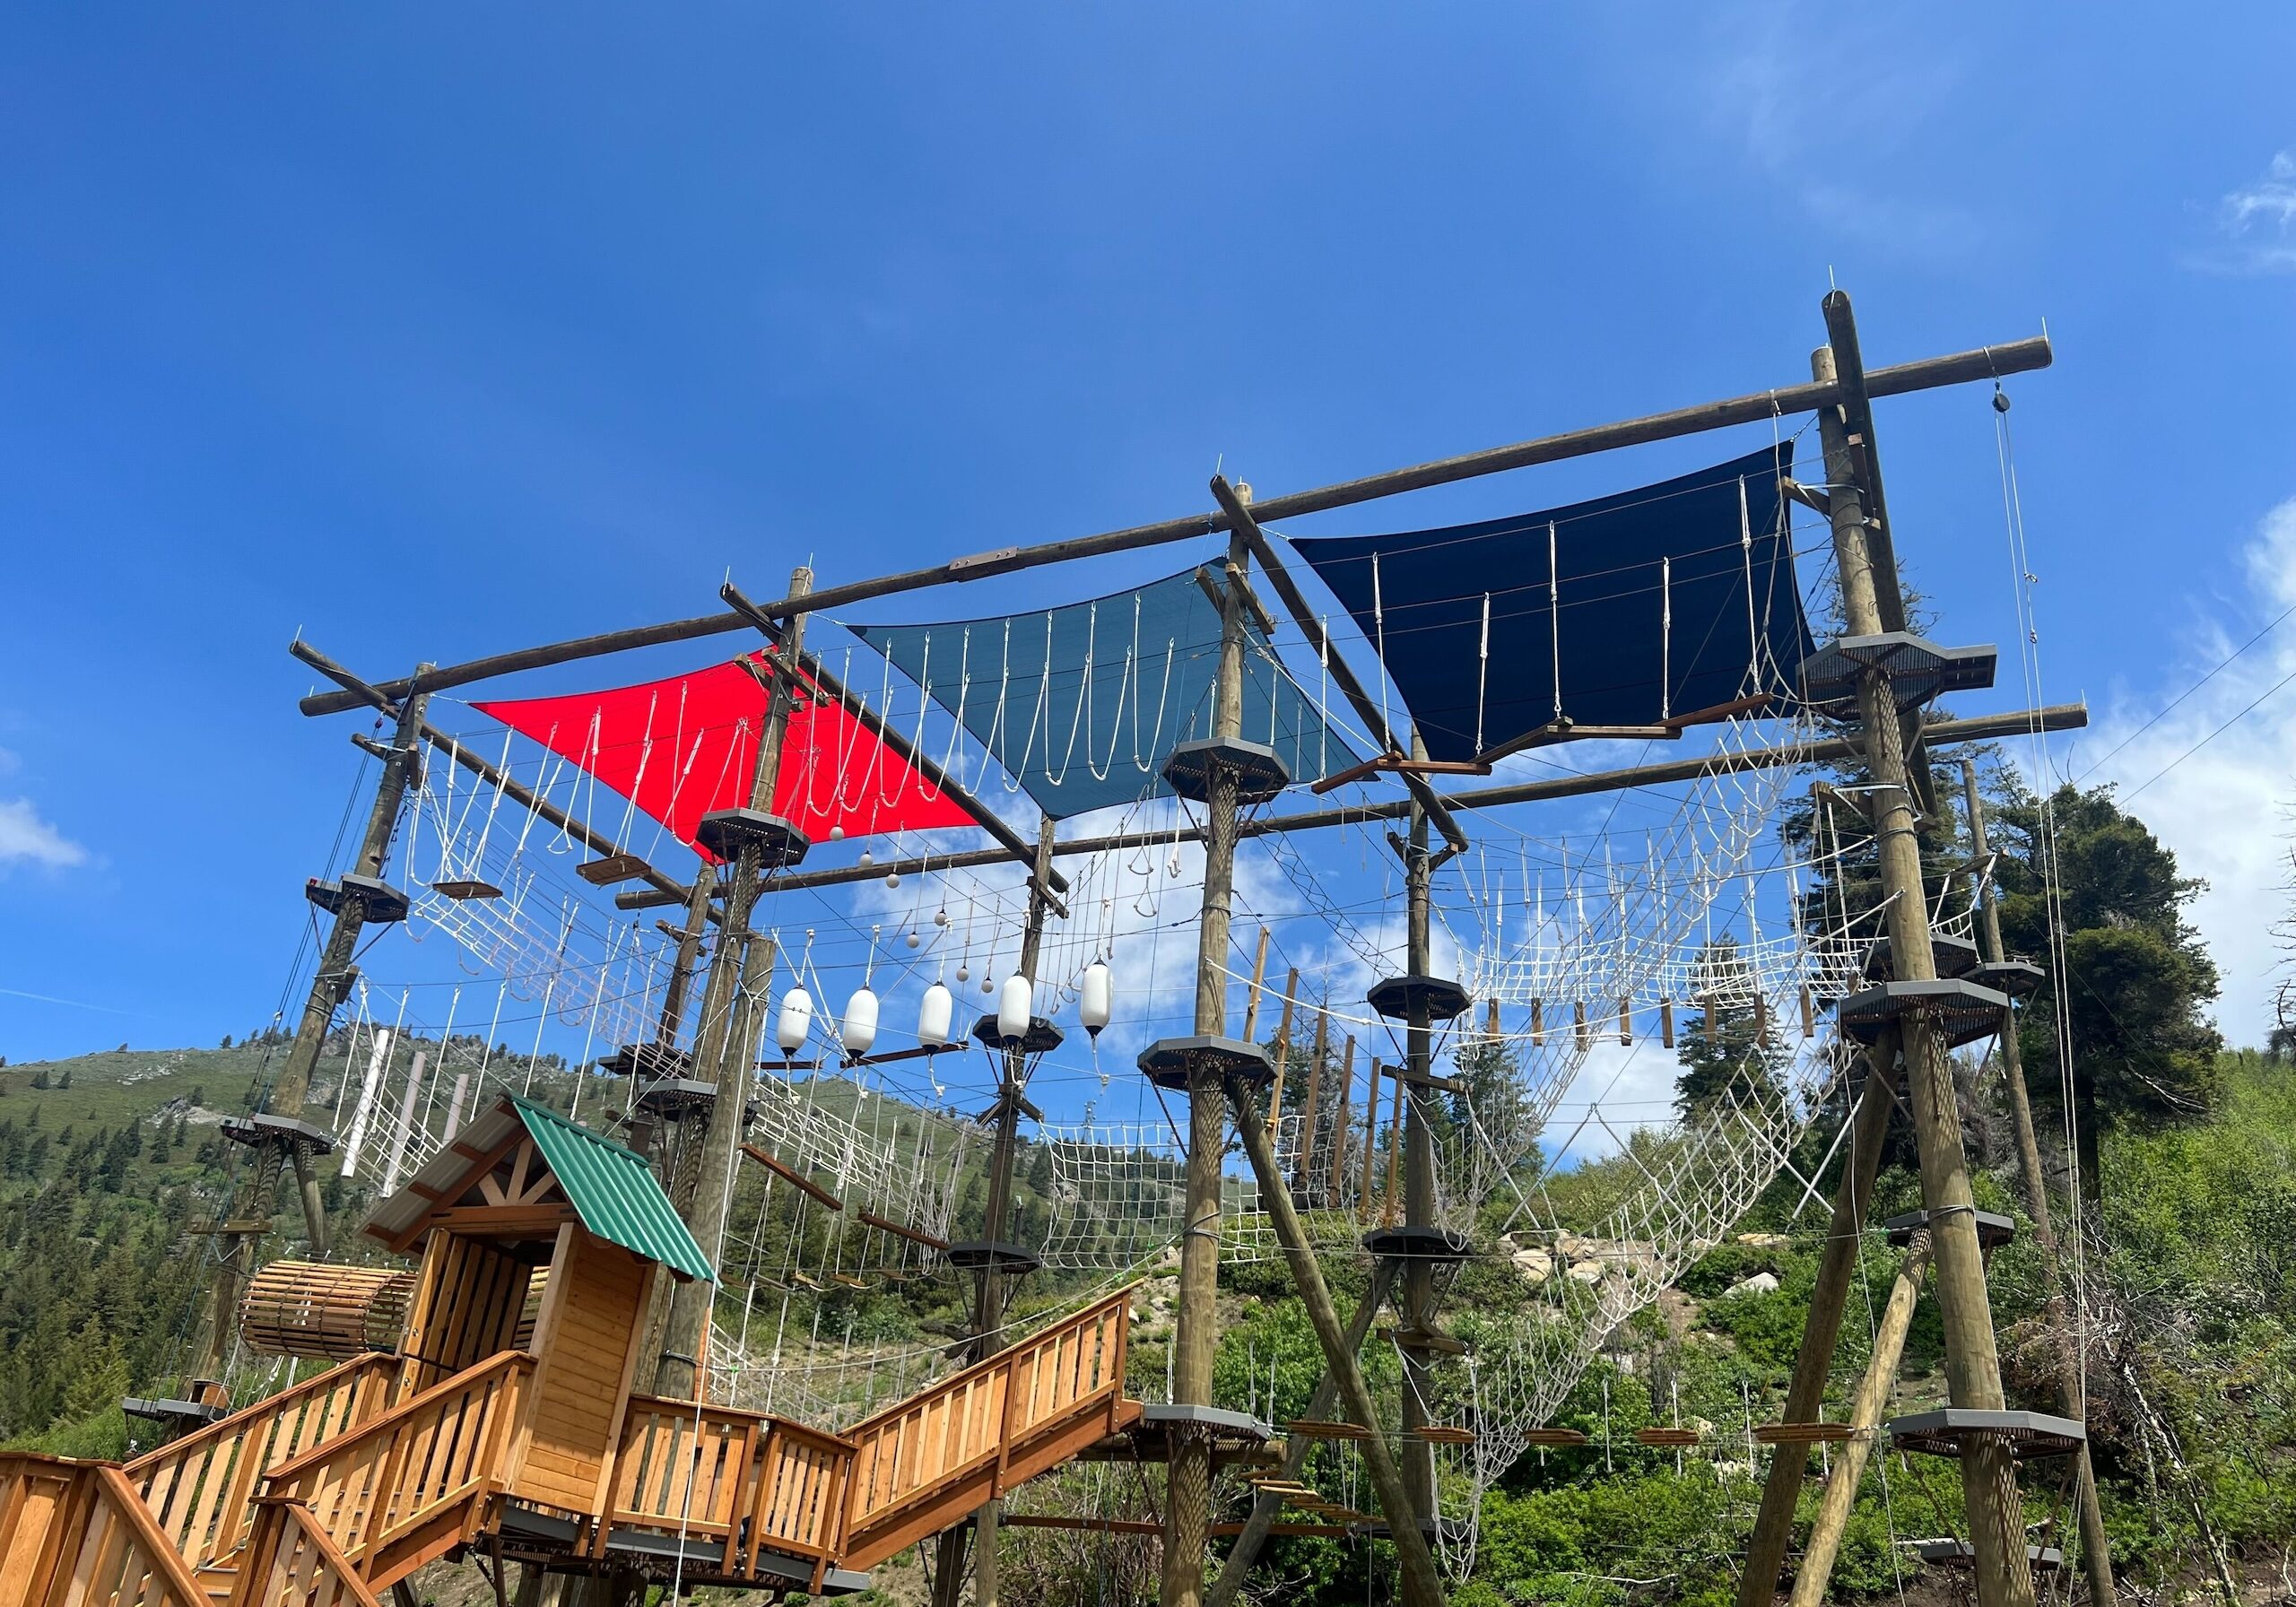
column 688, row 957
column 1972, row 1363
column 990, row 1282
column 356, row 894
column 1188, row 1512
column 1419, row 1175
column 725, row 1040
column 2096, row 1552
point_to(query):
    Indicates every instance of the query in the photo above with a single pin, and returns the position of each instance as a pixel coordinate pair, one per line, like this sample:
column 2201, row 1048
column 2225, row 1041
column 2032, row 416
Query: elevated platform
column 2016, row 978
column 1399, row 998
column 1169, row 1062
column 1042, row 1037
column 2027, row 1434
column 1919, row 670
column 1417, row 1243
column 1961, row 1011
column 1260, row 772
column 1959, row 1553
column 726, row 832
column 1949, row 956
column 1993, row 1228
column 265, row 1129
column 988, row 1254
column 647, row 1060
column 379, row 903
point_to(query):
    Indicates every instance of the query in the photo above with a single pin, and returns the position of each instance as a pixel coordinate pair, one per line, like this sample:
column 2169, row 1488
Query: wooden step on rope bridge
column 332, row 1491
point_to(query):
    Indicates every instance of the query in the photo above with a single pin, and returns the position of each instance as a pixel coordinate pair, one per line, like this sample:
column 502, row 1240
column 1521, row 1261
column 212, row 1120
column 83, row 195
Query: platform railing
column 413, row 1481
column 197, row 1489
column 77, row 1534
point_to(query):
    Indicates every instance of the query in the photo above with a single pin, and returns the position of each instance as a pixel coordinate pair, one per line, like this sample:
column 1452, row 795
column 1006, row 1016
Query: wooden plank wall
column 588, row 1342
column 467, row 1309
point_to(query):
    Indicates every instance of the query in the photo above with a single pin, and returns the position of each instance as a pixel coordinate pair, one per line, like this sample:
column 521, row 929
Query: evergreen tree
column 2136, row 976
column 1727, row 1045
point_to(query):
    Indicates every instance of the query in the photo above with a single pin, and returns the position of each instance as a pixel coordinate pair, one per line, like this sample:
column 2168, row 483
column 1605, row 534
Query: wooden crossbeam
column 794, row 1178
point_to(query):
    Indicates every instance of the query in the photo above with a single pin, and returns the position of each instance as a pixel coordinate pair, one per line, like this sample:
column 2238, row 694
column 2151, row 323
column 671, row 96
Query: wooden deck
column 326, row 1494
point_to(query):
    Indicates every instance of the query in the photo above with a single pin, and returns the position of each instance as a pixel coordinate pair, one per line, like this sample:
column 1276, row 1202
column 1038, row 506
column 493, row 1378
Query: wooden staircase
column 325, row 1495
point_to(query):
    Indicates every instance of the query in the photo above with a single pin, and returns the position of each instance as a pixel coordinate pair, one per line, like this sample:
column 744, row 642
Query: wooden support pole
column 1282, row 1052
column 1251, row 998
column 725, row 1051
column 1364, row 1196
column 1260, row 1522
column 1188, row 1511
column 1816, row 1569
column 689, row 954
column 1418, row 1305
column 1981, row 728
column 1388, row 1202
column 1987, row 362
column 331, row 984
column 1805, row 1391
column 990, row 1284
column 1016, row 846
column 2096, row 1548
column 1341, row 1124
column 1305, row 1168
column 1972, row 1363
column 1421, row 1583
column 1367, row 708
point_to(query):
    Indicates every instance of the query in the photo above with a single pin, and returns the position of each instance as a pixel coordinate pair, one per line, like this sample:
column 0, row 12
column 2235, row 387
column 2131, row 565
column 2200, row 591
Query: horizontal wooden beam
column 1985, row 362
column 791, row 1176
column 915, row 1236
column 1978, row 728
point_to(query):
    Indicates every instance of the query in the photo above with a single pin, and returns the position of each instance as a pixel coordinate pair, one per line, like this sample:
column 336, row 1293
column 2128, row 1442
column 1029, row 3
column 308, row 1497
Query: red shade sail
column 682, row 747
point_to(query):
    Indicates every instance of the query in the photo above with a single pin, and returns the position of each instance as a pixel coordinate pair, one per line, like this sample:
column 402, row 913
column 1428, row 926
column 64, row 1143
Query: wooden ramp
column 325, row 1495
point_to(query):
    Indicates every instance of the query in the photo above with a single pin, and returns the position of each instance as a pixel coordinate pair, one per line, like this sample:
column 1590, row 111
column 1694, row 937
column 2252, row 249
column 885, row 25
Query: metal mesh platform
column 2028, row 1434
column 1260, row 772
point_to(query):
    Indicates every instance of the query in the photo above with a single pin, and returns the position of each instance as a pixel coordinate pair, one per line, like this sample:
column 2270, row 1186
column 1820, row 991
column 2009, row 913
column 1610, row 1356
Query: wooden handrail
column 504, row 1361
column 666, row 1403
column 292, row 1511
column 1090, row 1314
column 128, row 1508
column 223, row 1428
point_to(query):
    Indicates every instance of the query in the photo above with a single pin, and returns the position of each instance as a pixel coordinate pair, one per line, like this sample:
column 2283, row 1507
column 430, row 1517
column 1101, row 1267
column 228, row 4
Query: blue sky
column 431, row 331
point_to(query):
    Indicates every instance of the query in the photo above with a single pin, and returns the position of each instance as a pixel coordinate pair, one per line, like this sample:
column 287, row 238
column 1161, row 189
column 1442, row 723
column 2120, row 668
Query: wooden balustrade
column 412, row 1482
column 78, row 1534
column 291, row 1561
column 198, row 1487
column 684, row 1468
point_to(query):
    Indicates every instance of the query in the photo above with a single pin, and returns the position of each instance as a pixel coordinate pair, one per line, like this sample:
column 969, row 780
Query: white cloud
column 2257, row 223
column 2224, row 810
column 25, row 837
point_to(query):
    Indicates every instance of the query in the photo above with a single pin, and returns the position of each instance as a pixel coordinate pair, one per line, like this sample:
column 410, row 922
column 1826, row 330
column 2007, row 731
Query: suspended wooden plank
column 466, row 890
column 1666, row 1437
column 1446, row 1434
column 1313, row 1429
column 1803, row 1434
column 1554, row 1437
column 611, row 869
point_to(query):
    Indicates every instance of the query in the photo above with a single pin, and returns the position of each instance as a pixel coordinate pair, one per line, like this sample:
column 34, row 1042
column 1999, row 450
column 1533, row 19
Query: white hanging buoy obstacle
column 1096, row 998
column 859, row 1030
column 796, row 1022
column 935, row 1012
column 1013, row 1007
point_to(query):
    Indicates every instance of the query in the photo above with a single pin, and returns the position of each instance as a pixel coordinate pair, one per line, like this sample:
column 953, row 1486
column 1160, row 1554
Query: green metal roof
column 613, row 1192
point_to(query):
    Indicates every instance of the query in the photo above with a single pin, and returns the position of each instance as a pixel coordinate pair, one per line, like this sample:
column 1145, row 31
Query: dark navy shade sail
column 1081, row 704
column 1656, row 603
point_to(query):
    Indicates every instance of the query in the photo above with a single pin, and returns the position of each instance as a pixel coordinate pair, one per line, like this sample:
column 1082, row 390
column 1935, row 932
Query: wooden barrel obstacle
column 314, row 1309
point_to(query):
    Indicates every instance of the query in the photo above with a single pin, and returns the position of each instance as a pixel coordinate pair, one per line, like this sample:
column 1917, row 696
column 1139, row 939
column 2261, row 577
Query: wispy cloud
column 2221, row 802
column 25, row 838
column 2255, row 225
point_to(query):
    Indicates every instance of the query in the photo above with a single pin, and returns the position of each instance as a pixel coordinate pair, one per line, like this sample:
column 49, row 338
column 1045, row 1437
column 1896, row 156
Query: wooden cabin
column 524, row 1439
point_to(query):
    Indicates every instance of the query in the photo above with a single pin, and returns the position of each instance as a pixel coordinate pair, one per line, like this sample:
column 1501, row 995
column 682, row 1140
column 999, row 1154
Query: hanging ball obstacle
column 935, row 1012
column 1095, row 998
column 796, row 1022
column 859, row 1029
column 312, row 1308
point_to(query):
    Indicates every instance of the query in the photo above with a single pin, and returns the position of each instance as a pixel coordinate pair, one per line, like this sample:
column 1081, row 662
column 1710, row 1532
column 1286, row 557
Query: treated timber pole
column 1805, row 1393
column 725, row 1046
column 1418, row 1312
column 989, row 1286
column 331, row 984
column 2096, row 1550
column 1972, row 1364
column 1987, row 362
column 688, row 956
column 1187, row 1503
column 1816, row 1568
column 1978, row 728
column 1266, row 1506
column 1421, row 1582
